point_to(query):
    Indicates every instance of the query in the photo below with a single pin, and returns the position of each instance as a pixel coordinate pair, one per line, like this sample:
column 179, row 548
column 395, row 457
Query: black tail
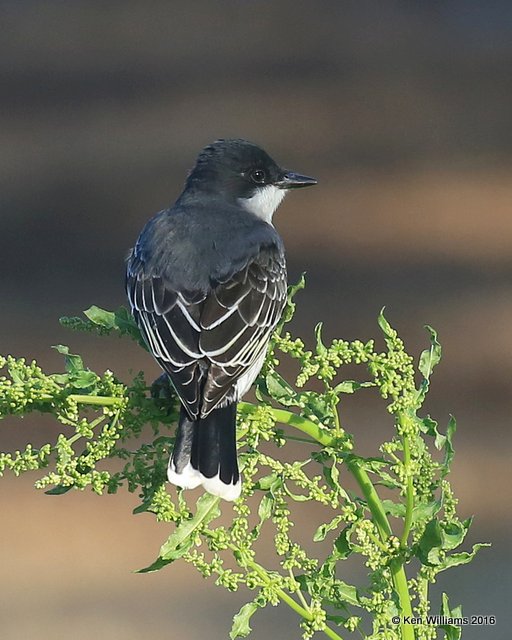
column 205, row 453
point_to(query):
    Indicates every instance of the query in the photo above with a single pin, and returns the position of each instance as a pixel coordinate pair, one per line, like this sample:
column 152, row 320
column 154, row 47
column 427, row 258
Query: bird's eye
column 258, row 176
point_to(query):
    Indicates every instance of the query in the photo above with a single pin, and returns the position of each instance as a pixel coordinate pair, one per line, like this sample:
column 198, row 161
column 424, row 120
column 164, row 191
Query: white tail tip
column 191, row 478
column 216, row 487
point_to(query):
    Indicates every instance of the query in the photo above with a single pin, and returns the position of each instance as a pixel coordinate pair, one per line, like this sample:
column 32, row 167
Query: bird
column 207, row 284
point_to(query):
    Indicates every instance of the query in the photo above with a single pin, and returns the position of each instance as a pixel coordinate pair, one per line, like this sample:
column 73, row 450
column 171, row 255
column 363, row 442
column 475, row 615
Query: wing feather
column 211, row 344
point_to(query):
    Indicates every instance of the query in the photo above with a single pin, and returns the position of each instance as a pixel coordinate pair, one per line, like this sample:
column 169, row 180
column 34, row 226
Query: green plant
column 414, row 532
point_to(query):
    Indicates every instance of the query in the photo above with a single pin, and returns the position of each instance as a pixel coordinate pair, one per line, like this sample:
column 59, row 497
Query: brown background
column 403, row 112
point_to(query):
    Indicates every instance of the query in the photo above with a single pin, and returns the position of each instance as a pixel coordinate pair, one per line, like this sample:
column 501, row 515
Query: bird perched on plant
column 206, row 282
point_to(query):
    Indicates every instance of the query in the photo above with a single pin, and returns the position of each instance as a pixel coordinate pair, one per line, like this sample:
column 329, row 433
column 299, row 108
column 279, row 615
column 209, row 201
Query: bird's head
column 242, row 172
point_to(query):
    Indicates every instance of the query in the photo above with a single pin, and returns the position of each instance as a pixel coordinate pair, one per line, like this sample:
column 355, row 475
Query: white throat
column 264, row 202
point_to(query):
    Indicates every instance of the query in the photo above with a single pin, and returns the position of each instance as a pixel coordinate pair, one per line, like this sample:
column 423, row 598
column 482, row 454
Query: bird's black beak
column 291, row 180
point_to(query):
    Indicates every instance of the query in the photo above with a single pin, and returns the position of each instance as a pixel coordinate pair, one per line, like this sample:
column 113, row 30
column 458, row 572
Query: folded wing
column 211, row 344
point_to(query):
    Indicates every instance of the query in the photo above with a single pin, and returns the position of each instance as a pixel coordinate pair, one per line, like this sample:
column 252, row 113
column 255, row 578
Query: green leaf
column 101, row 317
column 320, row 347
column 265, row 508
column 376, row 465
column 453, row 533
column 438, row 538
column 456, row 612
column 449, row 451
column 293, row 289
column 84, row 379
column 207, row 510
column 60, row 378
column 127, row 325
column 142, row 508
column 289, row 309
column 332, row 475
column 316, row 404
column 59, row 490
column 344, row 592
column 241, row 628
column 464, row 557
column 452, row 631
column 78, row 376
column 183, row 538
column 373, row 463
column 280, row 390
column 333, row 592
column 324, row 529
column 342, row 547
column 296, row 497
column 387, row 481
column 339, row 620
column 267, row 482
column 120, row 320
column 426, row 510
column 327, row 572
column 158, row 564
column 430, row 427
column 395, row 509
column 430, row 357
column 16, row 377
column 386, row 328
column 430, row 544
column 351, row 386
column 74, row 363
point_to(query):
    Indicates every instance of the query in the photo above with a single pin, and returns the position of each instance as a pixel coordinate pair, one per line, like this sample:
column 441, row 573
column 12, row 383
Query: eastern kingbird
column 206, row 282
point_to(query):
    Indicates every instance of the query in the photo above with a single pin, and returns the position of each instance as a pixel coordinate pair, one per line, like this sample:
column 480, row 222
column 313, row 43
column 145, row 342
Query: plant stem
column 375, row 505
column 303, row 612
column 336, row 417
column 313, row 430
column 409, row 492
column 299, row 592
column 105, row 401
column 74, row 438
column 378, row 542
column 397, row 570
column 354, row 464
column 400, row 583
column 298, row 439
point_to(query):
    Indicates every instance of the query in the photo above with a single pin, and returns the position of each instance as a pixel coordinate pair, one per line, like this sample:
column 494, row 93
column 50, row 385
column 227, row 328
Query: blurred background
column 402, row 110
